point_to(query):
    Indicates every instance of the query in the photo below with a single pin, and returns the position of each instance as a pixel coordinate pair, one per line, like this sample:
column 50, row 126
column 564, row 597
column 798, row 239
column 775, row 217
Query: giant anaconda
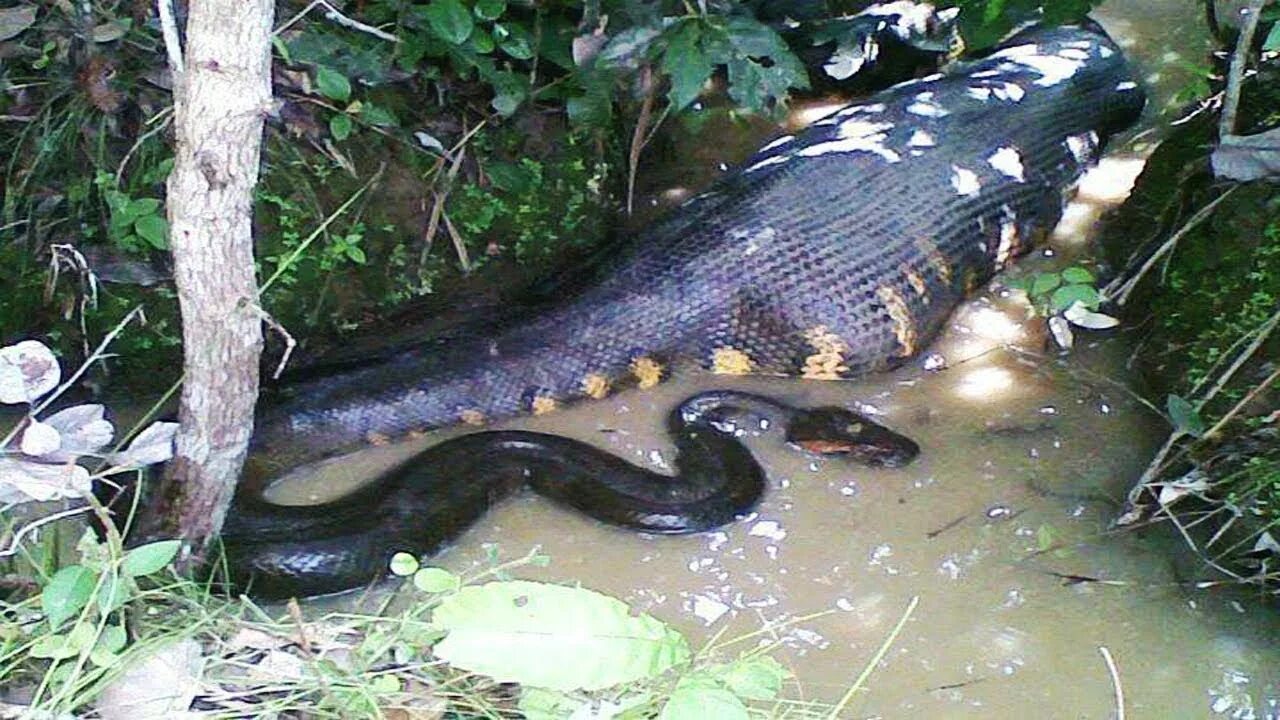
column 833, row 252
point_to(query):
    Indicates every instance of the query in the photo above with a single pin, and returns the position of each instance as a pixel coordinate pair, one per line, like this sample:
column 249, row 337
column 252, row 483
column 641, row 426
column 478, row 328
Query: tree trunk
column 220, row 98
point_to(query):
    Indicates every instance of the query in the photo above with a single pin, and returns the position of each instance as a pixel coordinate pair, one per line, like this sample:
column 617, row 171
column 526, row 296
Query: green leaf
column 703, row 703
column 1077, row 274
column 1066, row 295
column 1273, row 39
column 149, row 558
column 379, row 116
column 355, row 254
column 154, row 229
column 759, row 677
column 332, row 84
column 687, row 66
column 514, row 40
column 340, row 126
column 1043, row 283
column 143, row 206
column 450, row 20
column 53, row 647
column 481, row 42
column 490, row 9
column 436, row 580
column 1045, row 538
column 67, row 592
column 540, row 704
column 510, row 177
column 1184, row 415
column 403, row 564
column 115, row 592
column 112, row 638
column 553, row 636
column 627, row 48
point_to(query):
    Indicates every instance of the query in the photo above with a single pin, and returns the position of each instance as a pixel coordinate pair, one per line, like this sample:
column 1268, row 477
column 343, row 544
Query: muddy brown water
column 1026, row 457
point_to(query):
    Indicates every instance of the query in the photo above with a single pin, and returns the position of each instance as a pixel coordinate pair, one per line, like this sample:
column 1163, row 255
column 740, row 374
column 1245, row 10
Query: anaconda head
column 839, row 431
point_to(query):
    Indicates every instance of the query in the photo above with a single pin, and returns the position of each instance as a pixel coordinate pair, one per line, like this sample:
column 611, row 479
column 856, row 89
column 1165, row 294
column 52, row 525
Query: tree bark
column 221, row 97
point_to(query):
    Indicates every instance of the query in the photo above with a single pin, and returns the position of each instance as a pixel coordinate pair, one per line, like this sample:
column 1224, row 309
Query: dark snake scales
column 834, row 252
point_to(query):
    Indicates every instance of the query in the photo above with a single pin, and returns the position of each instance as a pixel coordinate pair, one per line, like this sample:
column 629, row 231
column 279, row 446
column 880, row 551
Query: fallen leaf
column 160, row 686
column 28, row 370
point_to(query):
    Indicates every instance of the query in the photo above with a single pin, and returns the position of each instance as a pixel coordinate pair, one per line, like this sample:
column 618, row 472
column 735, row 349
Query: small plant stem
column 1119, row 289
column 1235, row 75
column 875, row 660
column 1115, row 680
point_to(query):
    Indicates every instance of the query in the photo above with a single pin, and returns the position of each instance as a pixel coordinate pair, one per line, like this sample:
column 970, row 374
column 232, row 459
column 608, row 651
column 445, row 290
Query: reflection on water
column 1000, row 528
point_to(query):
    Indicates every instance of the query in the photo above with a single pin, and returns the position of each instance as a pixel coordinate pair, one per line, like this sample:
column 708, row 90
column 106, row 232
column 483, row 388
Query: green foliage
column 1051, row 293
column 537, row 208
column 983, row 23
column 86, row 607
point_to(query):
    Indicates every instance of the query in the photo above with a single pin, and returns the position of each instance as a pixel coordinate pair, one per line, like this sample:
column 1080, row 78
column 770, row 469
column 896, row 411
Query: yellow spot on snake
column 1009, row 242
column 647, row 371
column 730, row 361
column 377, row 438
column 904, row 327
column 827, row 360
column 543, row 404
column 935, row 258
column 917, row 283
column 472, row 416
column 595, row 385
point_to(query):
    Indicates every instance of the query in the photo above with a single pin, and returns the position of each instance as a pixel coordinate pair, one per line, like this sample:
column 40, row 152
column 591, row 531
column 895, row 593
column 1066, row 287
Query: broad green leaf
column 1184, row 415
column 149, row 558
column 1043, row 283
column 552, row 636
column 510, row 177
column 403, row 564
column 112, row 638
column 514, row 40
column 332, row 84
column 481, row 41
column 450, row 20
column 1077, row 275
column 53, row 647
column 435, row 580
column 154, row 229
column 703, row 703
column 114, row 592
column 143, row 206
column 67, row 592
column 340, row 126
column 379, row 116
column 687, row 66
column 490, row 9
column 756, row 678
column 355, row 254
column 1068, row 295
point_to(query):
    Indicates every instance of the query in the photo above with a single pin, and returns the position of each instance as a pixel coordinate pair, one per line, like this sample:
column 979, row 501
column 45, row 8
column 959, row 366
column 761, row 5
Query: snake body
column 829, row 253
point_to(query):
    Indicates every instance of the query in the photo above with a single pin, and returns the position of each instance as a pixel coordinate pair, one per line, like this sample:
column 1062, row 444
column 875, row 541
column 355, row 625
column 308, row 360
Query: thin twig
column 1120, row 288
column 289, row 342
column 1235, row 409
column 172, row 40
column 875, row 660
column 1264, row 331
column 638, row 135
column 332, row 14
column 98, row 353
column 1235, row 75
column 36, row 524
column 162, row 118
column 1115, row 680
